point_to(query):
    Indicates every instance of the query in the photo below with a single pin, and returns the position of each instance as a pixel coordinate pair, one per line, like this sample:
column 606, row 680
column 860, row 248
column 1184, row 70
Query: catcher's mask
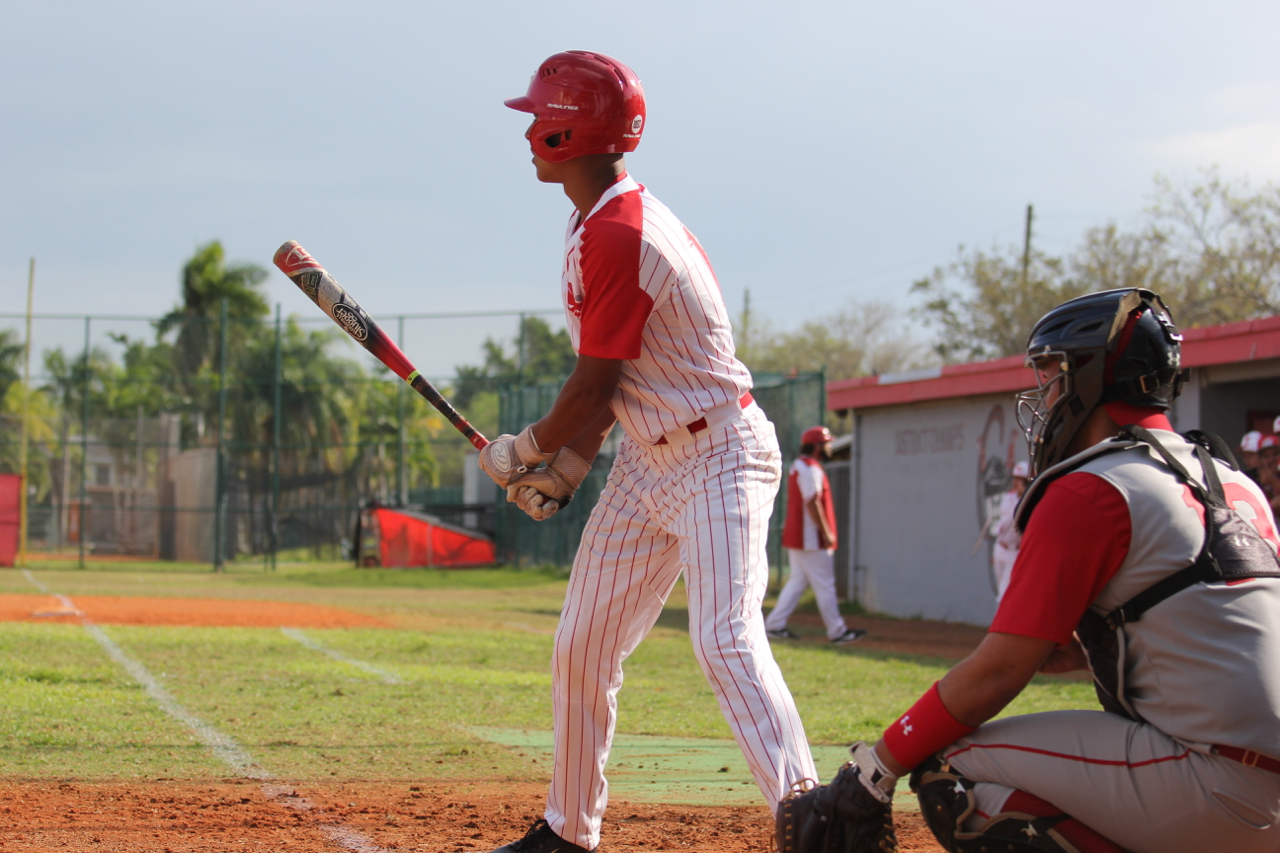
column 1117, row 345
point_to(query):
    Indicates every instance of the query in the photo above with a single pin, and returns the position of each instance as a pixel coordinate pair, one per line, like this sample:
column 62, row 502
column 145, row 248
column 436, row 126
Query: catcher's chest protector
column 1232, row 551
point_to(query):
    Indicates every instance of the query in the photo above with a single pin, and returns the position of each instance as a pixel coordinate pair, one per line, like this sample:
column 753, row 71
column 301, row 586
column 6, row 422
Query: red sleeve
column 615, row 308
column 1075, row 542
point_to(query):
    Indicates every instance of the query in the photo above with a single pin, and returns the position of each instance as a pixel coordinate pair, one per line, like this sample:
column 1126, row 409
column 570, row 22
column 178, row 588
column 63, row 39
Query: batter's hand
column 510, row 456
column 543, row 492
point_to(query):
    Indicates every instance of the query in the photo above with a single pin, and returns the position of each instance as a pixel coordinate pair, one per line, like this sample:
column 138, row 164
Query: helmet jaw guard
column 583, row 103
column 1116, row 345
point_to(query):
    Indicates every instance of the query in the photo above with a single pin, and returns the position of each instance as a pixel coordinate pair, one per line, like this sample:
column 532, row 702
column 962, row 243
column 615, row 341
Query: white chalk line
column 223, row 746
column 383, row 675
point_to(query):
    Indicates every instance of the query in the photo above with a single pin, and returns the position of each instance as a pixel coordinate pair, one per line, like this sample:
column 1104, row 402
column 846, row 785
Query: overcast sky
column 821, row 151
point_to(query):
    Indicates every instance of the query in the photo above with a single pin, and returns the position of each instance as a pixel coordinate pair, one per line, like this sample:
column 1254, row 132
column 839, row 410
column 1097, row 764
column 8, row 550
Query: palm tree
column 206, row 282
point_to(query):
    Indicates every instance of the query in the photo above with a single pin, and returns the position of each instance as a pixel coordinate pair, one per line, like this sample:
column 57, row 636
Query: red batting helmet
column 816, row 435
column 583, row 103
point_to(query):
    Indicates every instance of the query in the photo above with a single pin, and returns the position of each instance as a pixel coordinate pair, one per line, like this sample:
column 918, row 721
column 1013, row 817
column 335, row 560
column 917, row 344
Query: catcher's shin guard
column 947, row 801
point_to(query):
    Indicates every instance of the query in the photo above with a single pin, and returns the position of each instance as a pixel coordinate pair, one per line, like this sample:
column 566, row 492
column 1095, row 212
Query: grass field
column 453, row 687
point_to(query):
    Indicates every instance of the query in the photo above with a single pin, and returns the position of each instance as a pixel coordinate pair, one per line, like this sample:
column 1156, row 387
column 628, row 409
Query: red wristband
column 926, row 728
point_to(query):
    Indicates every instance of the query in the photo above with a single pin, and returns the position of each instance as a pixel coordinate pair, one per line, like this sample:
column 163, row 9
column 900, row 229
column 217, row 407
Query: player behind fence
column 1147, row 557
column 692, row 487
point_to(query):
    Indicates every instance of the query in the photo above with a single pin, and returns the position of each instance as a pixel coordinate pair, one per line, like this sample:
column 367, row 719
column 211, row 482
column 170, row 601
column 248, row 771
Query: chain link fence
column 242, row 439
column 222, row 439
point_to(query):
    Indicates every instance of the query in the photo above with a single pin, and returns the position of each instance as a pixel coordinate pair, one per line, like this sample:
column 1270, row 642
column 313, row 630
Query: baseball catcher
column 1148, row 558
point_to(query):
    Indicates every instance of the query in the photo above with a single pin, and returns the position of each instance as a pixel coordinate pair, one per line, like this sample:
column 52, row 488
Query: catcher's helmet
column 583, row 103
column 1116, row 345
column 816, row 435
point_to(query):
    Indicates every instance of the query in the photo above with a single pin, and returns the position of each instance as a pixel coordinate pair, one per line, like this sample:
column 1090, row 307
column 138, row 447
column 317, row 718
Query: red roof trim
column 1229, row 343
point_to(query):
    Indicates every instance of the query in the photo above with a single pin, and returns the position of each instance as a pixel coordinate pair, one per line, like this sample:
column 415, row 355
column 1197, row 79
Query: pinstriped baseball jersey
column 637, row 286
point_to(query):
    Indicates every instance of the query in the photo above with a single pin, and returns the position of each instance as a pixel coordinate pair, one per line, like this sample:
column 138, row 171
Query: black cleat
column 851, row 635
column 540, row 839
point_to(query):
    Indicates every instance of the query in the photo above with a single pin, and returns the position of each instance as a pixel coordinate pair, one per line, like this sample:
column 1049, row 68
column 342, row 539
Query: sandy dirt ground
column 244, row 815
column 171, row 817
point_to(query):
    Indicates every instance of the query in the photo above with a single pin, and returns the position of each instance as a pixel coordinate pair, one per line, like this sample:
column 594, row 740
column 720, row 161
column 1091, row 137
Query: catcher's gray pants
column 1128, row 781
column 700, row 508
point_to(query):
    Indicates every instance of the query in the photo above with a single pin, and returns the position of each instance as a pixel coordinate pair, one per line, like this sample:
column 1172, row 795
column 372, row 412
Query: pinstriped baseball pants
column 702, row 509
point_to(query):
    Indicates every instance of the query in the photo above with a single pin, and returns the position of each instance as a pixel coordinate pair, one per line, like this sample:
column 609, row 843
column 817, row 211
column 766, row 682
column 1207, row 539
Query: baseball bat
column 313, row 280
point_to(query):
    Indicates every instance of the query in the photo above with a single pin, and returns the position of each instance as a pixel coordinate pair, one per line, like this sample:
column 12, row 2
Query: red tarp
column 413, row 539
column 10, row 495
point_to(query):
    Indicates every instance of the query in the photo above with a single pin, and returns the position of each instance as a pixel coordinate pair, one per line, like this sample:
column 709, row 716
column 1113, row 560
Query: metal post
column 520, row 343
column 1026, row 249
column 23, row 478
column 220, row 479
column 856, row 526
column 822, row 394
column 84, row 445
column 402, row 483
column 275, row 450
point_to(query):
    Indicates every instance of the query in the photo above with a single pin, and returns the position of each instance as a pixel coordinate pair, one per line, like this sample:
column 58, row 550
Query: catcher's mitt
column 843, row 817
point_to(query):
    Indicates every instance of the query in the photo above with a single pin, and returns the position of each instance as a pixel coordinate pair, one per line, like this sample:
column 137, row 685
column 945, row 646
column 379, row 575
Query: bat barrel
column 322, row 289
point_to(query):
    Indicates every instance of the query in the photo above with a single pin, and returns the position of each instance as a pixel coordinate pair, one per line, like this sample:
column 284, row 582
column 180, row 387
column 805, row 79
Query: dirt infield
column 238, row 815
column 170, row 817
column 906, row 636
column 183, row 612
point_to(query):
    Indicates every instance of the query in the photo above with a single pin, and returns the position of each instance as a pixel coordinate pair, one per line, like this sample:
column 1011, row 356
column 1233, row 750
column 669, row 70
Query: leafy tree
column 11, row 351
column 1212, row 250
column 989, row 313
column 540, row 354
column 1221, row 241
column 206, row 281
column 863, row 339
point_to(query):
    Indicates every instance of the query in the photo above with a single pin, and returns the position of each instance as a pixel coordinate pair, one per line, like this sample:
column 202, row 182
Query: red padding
column 10, row 497
column 411, row 541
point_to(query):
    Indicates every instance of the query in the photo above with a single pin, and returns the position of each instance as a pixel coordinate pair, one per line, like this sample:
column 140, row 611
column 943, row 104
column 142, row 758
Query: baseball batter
column 692, row 486
column 1148, row 558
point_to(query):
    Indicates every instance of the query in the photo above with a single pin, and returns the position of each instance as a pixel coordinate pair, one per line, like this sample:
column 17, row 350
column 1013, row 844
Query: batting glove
column 542, row 493
column 510, row 456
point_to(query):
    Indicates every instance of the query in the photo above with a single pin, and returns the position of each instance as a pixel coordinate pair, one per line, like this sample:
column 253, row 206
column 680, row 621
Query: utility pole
column 23, row 479
column 1026, row 249
column 220, row 475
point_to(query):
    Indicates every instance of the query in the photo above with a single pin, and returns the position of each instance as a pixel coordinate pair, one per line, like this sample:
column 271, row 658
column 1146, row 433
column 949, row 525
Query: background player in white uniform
column 809, row 535
column 692, row 486
column 1006, row 532
column 1186, row 758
